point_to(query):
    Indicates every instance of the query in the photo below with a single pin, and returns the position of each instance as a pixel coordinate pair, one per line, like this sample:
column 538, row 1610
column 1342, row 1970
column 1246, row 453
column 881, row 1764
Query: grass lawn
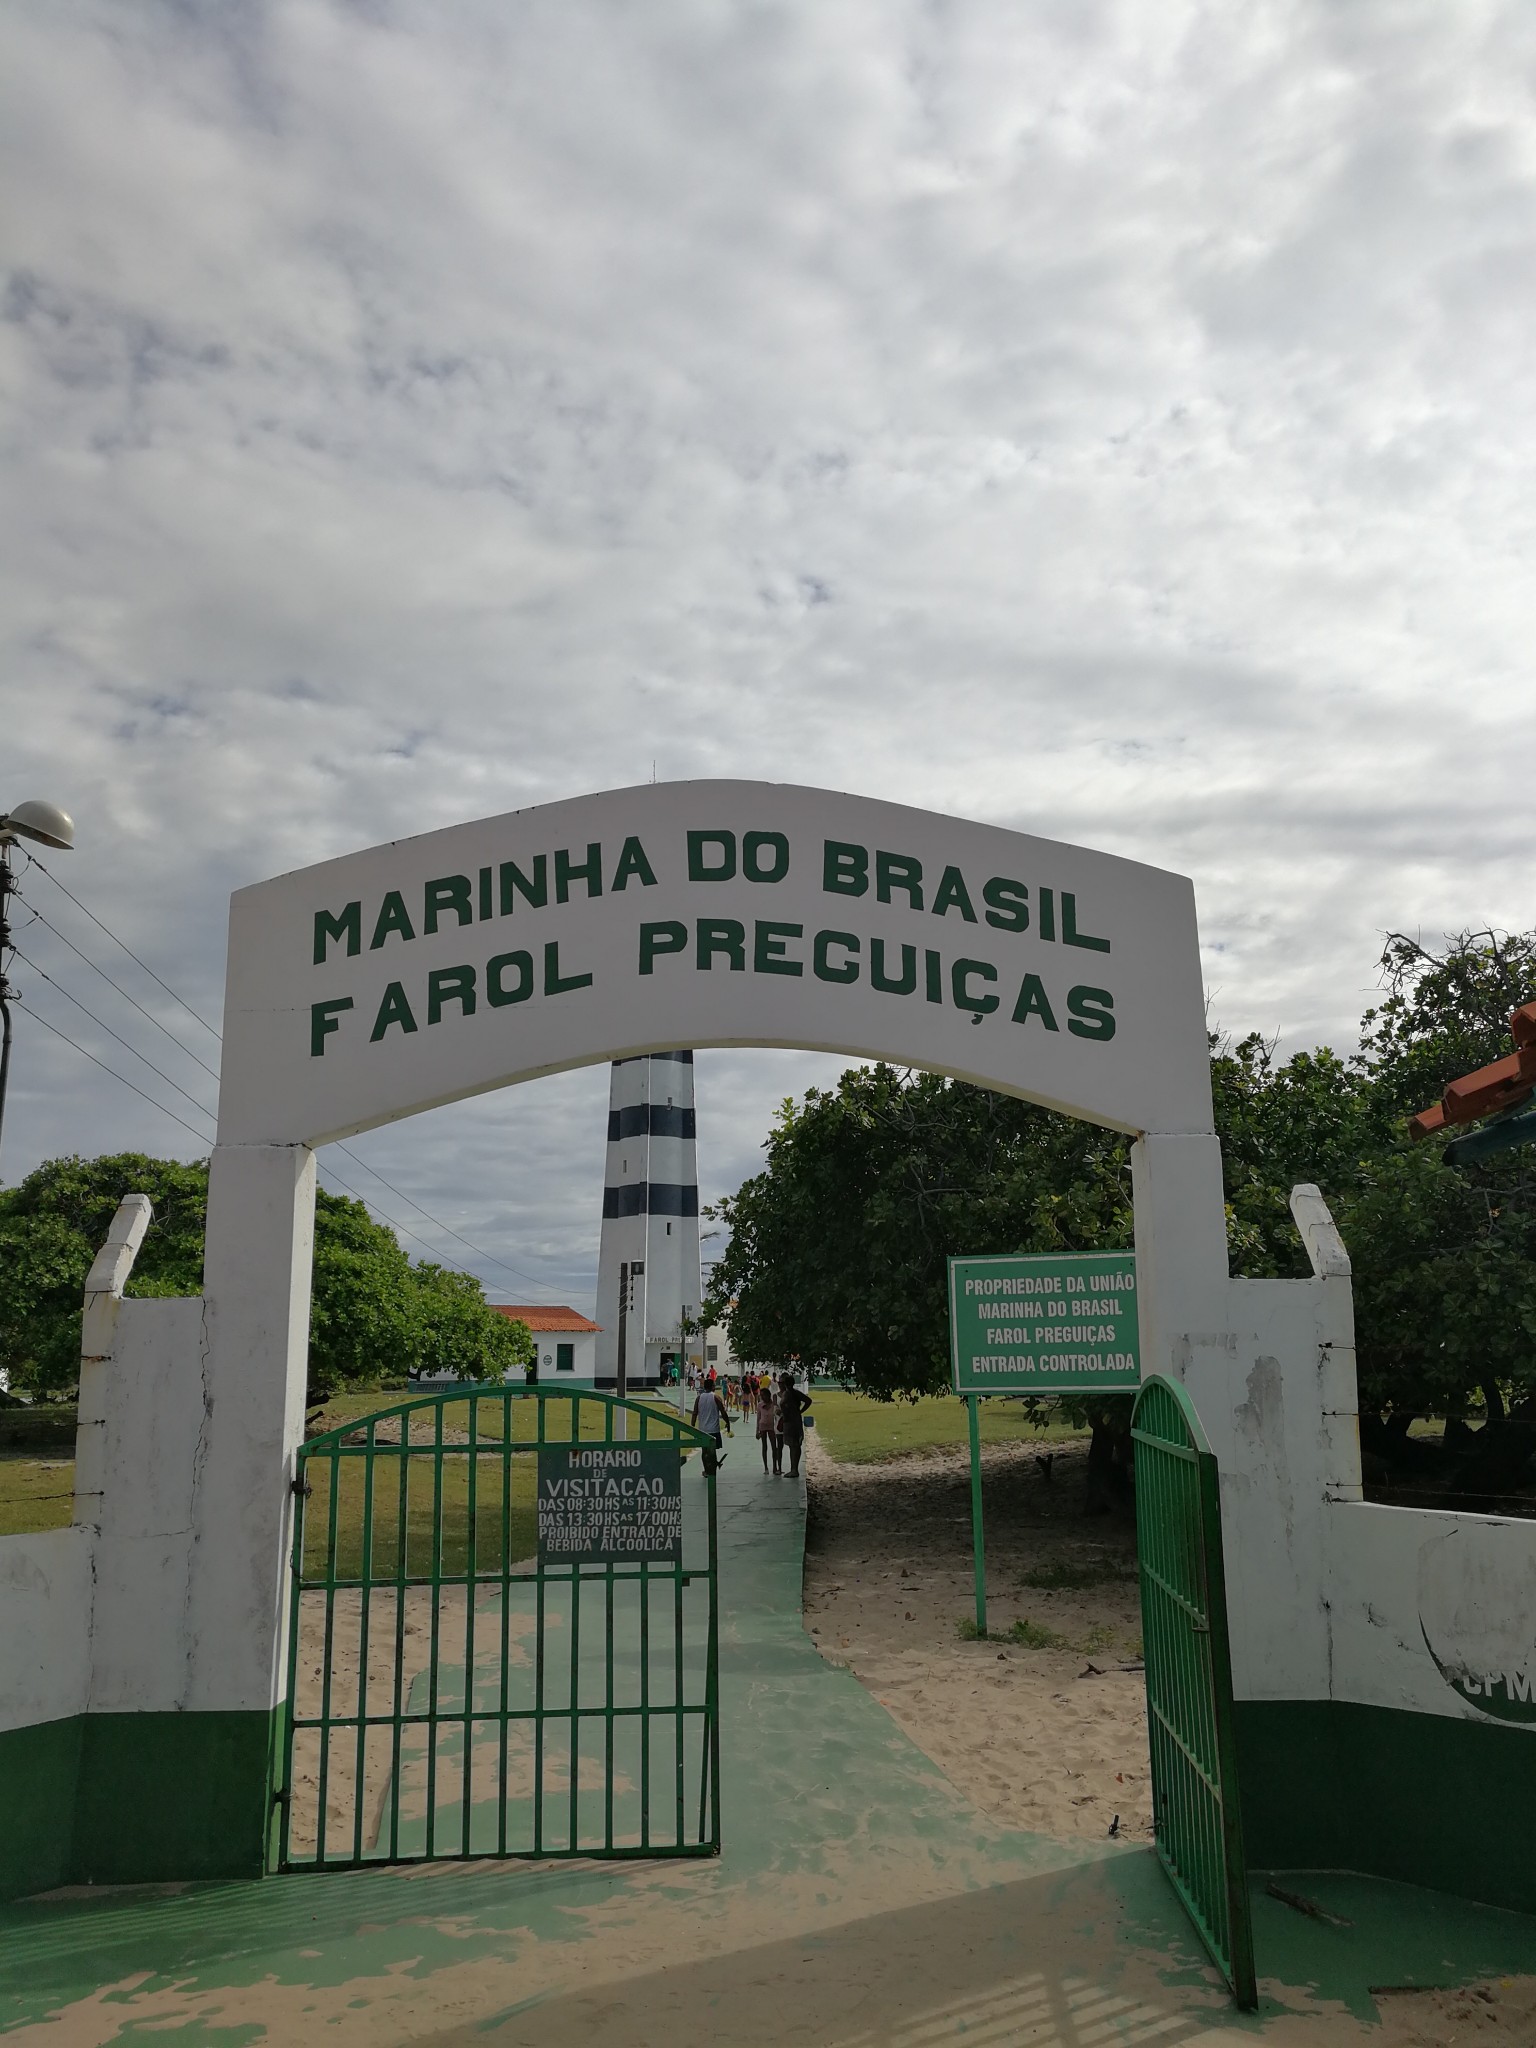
column 35, row 1494
column 407, row 1495
column 859, row 1431
column 38, row 1493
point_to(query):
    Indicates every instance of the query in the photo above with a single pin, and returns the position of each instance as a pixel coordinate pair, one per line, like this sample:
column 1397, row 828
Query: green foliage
column 373, row 1314
column 51, row 1227
column 1035, row 1636
column 838, row 1246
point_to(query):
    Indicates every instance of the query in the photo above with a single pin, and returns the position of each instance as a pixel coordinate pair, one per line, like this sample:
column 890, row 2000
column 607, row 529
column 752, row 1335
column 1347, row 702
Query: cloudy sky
column 1110, row 420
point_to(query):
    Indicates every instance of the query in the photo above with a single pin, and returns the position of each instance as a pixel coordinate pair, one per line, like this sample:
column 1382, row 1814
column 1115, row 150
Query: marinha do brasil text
column 711, row 945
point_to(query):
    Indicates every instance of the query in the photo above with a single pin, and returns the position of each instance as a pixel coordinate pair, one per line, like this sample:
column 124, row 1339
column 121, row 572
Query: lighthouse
column 648, row 1264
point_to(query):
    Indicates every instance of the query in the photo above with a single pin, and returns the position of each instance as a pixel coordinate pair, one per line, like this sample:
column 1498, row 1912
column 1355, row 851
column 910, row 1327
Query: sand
column 1045, row 1738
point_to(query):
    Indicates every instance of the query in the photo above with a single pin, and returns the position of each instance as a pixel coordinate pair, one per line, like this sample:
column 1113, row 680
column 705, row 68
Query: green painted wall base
column 1328, row 1785
column 133, row 1799
column 39, row 1769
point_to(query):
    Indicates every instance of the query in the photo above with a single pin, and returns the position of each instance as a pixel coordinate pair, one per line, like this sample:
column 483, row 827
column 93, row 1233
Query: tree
column 373, row 1315
column 838, row 1246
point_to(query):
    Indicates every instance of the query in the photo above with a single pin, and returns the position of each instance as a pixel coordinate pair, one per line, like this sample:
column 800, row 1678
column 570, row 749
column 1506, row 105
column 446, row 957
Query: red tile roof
column 545, row 1318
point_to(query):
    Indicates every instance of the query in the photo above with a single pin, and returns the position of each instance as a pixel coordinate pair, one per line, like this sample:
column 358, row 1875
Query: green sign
column 1051, row 1324
column 605, row 1503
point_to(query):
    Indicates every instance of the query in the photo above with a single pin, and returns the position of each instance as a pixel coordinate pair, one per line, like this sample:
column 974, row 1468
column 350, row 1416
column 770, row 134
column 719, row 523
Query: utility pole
column 630, row 1270
column 50, row 826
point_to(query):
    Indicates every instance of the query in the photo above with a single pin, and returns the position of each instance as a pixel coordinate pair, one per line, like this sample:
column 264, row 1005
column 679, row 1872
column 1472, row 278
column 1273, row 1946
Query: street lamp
column 49, row 826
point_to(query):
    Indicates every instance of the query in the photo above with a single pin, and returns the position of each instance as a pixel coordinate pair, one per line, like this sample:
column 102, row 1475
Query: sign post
column 978, row 1540
column 1048, row 1323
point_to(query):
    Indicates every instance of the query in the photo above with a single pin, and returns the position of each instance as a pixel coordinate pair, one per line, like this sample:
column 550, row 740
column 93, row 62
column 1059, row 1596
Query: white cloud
column 1107, row 419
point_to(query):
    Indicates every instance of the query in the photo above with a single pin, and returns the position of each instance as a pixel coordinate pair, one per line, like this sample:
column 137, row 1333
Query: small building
column 567, row 1341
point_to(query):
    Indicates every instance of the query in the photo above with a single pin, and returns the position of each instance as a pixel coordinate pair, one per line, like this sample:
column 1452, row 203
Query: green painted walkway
column 859, row 1900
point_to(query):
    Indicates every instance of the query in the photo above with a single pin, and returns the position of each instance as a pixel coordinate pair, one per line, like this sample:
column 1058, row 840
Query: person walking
column 709, row 1416
column 791, row 1406
column 767, row 1429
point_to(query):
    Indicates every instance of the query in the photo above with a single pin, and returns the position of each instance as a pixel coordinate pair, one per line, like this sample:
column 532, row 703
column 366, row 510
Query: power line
column 33, row 861
column 437, row 1223
column 38, row 1018
column 212, row 1072
column 516, row 1271
column 64, row 992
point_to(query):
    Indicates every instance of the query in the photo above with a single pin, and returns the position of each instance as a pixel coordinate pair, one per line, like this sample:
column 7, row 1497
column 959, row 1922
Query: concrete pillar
column 1181, row 1248
column 260, row 1245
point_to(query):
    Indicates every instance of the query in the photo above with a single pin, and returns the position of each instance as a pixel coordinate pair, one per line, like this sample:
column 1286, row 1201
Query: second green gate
column 503, row 1635
column 1189, row 1678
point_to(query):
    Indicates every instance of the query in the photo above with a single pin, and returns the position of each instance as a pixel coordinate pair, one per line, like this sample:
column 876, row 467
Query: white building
column 650, row 1238
column 566, row 1342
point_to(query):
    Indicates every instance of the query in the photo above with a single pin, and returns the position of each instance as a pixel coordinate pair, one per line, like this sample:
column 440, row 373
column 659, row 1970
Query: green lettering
column 448, row 892
column 1047, row 913
column 487, row 875
column 1091, row 1014
column 513, row 880
column 878, row 978
column 1070, row 935
column 1034, row 1002
column 632, row 861
column 323, row 1021
column 899, row 871
column 952, row 894
column 394, row 1009
column 821, row 965
column 497, row 994
column 753, row 847
column 589, row 871
column 768, row 955
column 844, row 868
column 393, row 917
column 348, row 926
column 554, row 984
column 1009, row 904
column 699, row 869
column 725, row 935
column 655, row 939
column 959, row 978
column 450, row 985
column 933, row 982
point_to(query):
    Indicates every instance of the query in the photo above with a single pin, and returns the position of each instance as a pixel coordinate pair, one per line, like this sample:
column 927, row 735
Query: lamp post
column 49, row 826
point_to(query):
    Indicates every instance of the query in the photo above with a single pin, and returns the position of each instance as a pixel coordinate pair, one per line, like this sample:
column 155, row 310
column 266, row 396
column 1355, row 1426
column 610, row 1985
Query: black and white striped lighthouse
column 650, row 1241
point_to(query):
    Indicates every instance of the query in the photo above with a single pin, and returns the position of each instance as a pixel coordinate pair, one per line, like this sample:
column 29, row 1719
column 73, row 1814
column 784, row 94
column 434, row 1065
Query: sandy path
column 1050, row 1739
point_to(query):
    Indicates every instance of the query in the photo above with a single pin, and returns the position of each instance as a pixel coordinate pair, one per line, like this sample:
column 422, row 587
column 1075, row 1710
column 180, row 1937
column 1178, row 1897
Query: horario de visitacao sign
column 428, row 969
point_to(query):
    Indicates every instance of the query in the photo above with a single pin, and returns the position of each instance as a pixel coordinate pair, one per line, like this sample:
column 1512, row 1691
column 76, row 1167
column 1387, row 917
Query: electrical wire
column 437, row 1222
column 212, row 1072
column 38, row 1018
column 33, row 861
column 44, row 975
column 516, row 1272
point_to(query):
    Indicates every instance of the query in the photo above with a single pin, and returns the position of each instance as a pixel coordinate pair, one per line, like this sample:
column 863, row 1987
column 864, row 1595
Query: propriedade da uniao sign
column 710, row 913
column 610, row 1503
column 1044, row 1324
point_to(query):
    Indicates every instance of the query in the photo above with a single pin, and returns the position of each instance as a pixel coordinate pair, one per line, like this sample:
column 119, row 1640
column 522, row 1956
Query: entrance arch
column 389, row 981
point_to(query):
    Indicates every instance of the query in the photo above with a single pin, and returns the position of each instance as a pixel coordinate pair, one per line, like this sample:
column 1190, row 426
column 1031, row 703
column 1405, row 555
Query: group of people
column 776, row 1406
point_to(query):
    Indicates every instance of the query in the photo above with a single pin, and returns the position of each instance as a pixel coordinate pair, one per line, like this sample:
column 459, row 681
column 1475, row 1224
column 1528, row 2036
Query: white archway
column 392, row 980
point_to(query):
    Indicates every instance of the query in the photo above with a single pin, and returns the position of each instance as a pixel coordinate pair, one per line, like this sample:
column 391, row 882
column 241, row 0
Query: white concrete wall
column 583, row 1363
column 45, row 1627
column 149, row 1414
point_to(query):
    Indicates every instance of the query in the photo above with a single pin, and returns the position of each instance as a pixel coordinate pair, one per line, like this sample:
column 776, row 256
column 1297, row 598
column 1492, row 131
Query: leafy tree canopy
column 373, row 1314
column 838, row 1246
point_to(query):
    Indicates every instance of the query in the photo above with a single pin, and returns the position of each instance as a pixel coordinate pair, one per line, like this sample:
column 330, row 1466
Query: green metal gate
column 452, row 1692
column 1189, row 1678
